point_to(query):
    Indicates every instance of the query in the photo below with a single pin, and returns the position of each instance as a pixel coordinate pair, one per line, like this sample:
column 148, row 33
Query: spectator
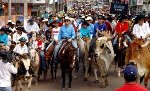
column 6, row 69
column 130, row 76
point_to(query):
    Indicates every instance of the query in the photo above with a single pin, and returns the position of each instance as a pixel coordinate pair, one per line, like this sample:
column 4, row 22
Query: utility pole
column 9, row 9
column 54, row 8
column 25, row 12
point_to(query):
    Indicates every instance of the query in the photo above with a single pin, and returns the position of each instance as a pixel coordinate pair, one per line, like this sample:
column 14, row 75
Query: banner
column 117, row 8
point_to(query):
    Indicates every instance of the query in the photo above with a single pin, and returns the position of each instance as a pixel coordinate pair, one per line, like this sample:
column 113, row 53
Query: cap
column 130, row 70
column 22, row 39
column 45, row 20
column 8, row 30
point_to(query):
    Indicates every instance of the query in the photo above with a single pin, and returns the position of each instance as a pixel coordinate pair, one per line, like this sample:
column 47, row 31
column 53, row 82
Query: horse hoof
column 69, row 89
column 96, row 81
column 102, row 86
column 85, row 79
column 75, row 77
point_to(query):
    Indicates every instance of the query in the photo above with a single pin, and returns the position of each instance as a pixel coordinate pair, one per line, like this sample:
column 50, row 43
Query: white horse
column 84, row 45
column 35, row 62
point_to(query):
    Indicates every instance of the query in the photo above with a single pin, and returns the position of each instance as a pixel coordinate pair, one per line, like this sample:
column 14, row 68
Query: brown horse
column 67, row 58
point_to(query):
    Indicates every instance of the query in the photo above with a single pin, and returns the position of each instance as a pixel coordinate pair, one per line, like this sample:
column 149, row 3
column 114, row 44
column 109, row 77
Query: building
column 140, row 6
column 35, row 7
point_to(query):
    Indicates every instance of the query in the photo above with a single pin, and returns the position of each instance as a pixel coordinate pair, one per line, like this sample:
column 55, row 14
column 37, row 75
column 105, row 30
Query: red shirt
column 132, row 87
column 122, row 27
column 109, row 28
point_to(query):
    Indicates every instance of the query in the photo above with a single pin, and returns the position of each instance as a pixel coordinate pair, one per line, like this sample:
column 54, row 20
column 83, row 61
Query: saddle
column 61, row 52
column 85, row 39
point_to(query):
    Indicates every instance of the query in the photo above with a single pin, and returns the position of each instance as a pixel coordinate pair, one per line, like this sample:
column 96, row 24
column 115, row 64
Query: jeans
column 42, row 59
column 126, row 38
column 5, row 89
column 74, row 43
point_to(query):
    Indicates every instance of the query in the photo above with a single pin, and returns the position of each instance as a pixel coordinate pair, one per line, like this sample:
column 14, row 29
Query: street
column 79, row 84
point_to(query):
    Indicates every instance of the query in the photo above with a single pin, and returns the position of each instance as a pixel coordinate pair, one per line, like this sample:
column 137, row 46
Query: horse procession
column 91, row 43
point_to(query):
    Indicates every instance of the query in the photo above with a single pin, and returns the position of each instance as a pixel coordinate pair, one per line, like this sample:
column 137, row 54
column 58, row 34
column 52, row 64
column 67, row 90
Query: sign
column 117, row 8
column 139, row 2
column 133, row 2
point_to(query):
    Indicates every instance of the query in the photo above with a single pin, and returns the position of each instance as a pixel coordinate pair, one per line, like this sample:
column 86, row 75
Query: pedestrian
column 6, row 69
column 130, row 77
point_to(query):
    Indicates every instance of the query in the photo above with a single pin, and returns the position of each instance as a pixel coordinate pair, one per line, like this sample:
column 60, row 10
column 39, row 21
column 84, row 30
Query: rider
column 122, row 27
column 54, row 34
column 85, row 30
column 139, row 29
column 21, row 48
column 91, row 26
column 66, row 32
column 99, row 27
column 3, row 36
column 39, row 45
column 32, row 28
column 19, row 34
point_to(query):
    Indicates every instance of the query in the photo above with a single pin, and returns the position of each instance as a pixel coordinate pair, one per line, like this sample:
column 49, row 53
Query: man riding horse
column 66, row 32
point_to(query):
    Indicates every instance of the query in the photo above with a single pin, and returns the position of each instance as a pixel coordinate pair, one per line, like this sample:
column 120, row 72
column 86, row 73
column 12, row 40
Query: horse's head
column 24, row 68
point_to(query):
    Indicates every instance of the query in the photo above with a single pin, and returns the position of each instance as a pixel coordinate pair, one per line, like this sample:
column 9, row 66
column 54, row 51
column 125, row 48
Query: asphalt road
column 79, row 84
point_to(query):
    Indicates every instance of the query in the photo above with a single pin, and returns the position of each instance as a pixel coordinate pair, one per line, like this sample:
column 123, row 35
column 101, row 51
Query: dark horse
column 67, row 58
column 120, row 51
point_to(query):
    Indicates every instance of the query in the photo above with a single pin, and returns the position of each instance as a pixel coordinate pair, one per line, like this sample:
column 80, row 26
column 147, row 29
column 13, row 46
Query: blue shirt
column 84, row 32
column 66, row 32
column 101, row 27
column 91, row 26
column 4, row 38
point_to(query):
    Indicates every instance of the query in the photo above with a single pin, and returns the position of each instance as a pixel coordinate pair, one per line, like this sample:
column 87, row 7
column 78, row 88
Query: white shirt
column 56, row 32
column 21, row 50
column 5, row 73
column 16, row 37
column 140, row 31
column 9, row 40
column 32, row 28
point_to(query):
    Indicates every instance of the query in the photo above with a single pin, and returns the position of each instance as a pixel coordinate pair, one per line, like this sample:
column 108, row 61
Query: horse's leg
column 20, row 85
column 96, row 77
column 36, row 76
column 51, row 64
column 102, row 81
column 86, row 70
column 56, row 65
column 146, row 79
column 29, row 84
column 70, row 79
column 63, row 77
column 106, row 81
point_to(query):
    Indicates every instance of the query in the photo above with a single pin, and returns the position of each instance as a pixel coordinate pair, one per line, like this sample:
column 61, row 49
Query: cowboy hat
column 67, row 18
column 88, row 18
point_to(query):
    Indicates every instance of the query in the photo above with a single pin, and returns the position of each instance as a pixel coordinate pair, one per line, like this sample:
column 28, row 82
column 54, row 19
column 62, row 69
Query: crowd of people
column 49, row 30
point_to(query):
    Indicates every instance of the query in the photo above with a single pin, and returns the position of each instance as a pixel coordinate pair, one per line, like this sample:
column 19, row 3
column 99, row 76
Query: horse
column 120, row 51
column 35, row 62
column 67, row 58
column 24, row 74
column 50, row 59
column 84, row 45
